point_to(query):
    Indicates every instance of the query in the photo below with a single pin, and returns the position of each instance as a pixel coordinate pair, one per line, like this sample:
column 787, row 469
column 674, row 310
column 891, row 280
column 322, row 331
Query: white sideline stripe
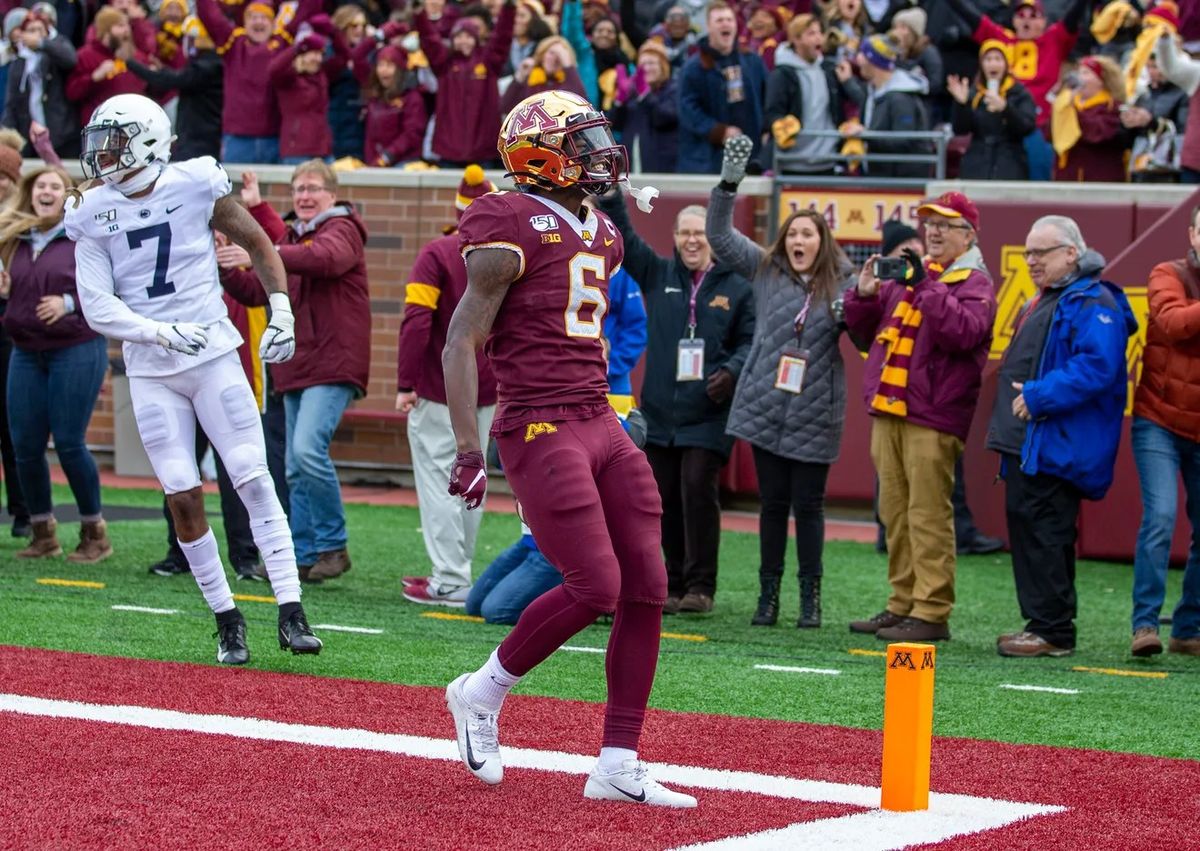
column 332, row 627
column 583, row 649
column 1050, row 689
column 146, row 610
column 948, row 815
column 787, row 669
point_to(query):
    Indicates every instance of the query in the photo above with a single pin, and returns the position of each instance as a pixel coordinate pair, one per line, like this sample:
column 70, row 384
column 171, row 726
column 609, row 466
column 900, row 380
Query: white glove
column 279, row 338
column 185, row 337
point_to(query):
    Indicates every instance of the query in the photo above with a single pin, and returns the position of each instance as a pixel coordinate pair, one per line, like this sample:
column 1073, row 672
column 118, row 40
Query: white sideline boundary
column 877, row 830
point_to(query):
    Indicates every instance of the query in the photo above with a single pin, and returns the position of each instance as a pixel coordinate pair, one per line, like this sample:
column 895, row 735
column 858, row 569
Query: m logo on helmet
column 532, row 116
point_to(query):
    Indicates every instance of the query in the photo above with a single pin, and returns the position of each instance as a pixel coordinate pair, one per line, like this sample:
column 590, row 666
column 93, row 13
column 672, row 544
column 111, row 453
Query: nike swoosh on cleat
column 475, row 766
column 640, row 797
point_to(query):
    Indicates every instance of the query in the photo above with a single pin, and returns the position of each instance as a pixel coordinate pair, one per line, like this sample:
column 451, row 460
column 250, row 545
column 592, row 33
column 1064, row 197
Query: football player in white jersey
column 147, row 275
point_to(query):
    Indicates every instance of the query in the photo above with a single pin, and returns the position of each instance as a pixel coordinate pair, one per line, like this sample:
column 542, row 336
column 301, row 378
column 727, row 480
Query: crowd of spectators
column 1031, row 89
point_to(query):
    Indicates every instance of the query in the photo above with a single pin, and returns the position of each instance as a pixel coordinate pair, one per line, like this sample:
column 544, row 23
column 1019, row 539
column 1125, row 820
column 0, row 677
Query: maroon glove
column 322, row 24
column 311, row 42
column 468, row 478
column 393, row 29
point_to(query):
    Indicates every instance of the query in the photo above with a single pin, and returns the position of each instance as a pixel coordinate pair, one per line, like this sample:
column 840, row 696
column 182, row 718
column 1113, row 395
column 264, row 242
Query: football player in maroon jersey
column 538, row 265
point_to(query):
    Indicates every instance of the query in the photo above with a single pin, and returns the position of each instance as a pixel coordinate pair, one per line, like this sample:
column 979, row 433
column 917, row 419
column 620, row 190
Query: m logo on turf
column 534, row 429
column 904, row 660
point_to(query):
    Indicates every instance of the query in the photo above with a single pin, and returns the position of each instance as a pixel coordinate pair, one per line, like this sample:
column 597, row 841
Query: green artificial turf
column 717, row 675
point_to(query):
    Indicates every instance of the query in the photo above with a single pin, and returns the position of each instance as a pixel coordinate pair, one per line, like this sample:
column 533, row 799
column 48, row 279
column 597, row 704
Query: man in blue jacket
column 721, row 91
column 1057, row 423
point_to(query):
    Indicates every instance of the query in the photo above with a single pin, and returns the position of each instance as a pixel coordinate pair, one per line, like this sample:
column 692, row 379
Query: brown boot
column 94, row 544
column 45, row 541
column 329, row 565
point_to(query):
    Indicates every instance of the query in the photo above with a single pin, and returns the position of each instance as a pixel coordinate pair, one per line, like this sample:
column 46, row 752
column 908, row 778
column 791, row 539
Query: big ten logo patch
column 1017, row 288
column 548, row 238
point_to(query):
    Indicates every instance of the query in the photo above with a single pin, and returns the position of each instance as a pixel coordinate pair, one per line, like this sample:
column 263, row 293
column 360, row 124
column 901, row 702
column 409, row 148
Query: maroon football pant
column 589, row 497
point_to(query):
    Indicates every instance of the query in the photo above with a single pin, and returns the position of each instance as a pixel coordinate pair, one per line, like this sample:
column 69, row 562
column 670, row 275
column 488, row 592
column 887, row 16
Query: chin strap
column 139, row 181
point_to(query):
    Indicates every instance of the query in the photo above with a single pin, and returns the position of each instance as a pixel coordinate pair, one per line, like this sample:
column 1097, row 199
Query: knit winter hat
column 398, row 56
column 655, row 48
column 996, row 44
column 47, row 11
column 915, row 19
column 106, row 19
column 266, row 7
column 474, row 185
column 1164, row 12
column 896, row 232
column 469, row 25
column 880, row 52
column 1038, row 9
column 13, row 19
column 178, row 4
column 10, row 163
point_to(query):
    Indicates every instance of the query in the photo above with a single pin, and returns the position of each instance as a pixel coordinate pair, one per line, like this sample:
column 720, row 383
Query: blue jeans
column 318, row 520
column 517, row 577
column 249, row 149
column 1161, row 457
column 1040, row 154
column 54, row 392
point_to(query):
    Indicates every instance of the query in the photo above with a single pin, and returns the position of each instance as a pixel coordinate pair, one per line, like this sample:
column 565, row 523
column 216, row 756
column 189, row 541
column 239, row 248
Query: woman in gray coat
column 791, row 396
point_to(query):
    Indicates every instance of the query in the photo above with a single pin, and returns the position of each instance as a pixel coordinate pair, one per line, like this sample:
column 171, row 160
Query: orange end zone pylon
column 907, row 726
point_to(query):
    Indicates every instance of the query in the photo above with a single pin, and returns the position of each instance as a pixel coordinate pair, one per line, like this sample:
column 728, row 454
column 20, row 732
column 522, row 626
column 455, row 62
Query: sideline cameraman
column 931, row 328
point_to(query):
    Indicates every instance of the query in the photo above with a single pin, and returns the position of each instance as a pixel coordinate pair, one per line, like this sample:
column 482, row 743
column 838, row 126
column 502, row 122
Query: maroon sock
column 543, row 627
column 630, row 663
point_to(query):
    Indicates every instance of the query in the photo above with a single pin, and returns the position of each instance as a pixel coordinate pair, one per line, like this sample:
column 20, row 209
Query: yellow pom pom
column 473, row 175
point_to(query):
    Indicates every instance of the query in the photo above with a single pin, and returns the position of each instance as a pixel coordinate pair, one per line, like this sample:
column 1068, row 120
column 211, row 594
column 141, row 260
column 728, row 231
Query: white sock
column 205, row 562
column 612, row 760
column 487, row 687
column 269, row 527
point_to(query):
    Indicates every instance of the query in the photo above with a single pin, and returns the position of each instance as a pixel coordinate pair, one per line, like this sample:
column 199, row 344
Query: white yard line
column 876, row 830
column 146, row 610
column 1048, row 689
column 571, row 649
column 788, row 669
column 333, row 627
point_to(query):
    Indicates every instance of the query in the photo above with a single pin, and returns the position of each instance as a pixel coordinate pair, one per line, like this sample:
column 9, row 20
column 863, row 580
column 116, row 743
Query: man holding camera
column 930, row 323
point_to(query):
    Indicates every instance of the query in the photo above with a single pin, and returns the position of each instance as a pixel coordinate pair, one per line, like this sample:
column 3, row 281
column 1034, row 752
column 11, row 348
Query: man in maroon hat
column 1038, row 53
column 930, row 330
column 436, row 285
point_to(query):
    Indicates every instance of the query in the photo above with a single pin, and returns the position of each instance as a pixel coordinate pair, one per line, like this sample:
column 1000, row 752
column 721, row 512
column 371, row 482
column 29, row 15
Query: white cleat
column 476, row 731
column 633, row 785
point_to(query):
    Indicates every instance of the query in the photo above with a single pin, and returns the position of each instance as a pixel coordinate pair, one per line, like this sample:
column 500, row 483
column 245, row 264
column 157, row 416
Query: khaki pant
column 916, row 477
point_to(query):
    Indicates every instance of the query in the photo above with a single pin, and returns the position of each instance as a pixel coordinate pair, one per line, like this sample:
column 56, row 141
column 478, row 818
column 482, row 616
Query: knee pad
column 259, row 497
column 244, row 463
column 178, row 475
column 598, row 592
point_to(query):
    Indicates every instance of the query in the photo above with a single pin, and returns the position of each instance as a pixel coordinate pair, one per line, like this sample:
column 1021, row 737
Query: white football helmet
column 126, row 132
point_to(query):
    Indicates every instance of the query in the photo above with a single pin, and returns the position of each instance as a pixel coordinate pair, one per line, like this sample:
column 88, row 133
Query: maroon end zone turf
column 82, row 784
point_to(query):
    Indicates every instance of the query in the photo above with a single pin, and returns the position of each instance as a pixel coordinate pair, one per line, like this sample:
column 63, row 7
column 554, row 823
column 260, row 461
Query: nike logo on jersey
column 640, row 797
column 608, row 242
column 475, row 766
column 171, row 210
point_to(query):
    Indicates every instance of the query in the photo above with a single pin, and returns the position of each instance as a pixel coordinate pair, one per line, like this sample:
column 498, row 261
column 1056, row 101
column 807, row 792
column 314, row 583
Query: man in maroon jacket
column 100, row 71
column 322, row 245
column 467, row 115
column 930, row 330
column 437, row 283
column 250, row 117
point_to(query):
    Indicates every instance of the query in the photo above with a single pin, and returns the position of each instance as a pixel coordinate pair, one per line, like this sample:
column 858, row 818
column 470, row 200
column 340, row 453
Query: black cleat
column 295, row 634
column 231, row 639
column 251, row 572
column 169, row 567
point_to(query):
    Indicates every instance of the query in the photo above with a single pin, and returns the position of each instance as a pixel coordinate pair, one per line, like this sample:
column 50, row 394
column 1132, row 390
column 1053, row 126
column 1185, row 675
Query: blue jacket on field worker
column 1077, row 399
